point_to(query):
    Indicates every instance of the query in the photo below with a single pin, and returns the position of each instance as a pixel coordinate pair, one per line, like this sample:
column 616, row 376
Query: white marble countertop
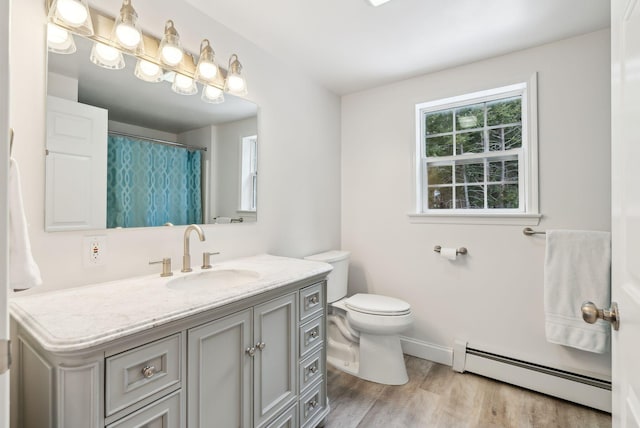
column 79, row 318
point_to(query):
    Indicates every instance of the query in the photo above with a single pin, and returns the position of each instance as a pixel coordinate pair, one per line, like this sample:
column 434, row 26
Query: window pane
column 505, row 138
column 502, row 196
column 440, row 174
column 504, row 111
column 470, row 197
column 440, row 146
column 439, row 122
column 470, row 142
column 503, row 171
column 440, row 197
column 470, row 116
column 470, row 173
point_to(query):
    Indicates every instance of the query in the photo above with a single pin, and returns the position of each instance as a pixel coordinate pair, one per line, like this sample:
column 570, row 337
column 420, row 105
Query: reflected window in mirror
column 249, row 173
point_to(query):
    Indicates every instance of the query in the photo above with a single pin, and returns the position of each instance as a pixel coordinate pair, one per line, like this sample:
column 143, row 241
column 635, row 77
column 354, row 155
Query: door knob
column 591, row 313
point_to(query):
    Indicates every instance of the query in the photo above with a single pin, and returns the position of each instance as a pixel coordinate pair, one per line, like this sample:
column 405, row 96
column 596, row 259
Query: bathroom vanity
column 239, row 345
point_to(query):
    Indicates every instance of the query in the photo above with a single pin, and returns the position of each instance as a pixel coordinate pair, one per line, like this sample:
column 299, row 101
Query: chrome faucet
column 186, row 258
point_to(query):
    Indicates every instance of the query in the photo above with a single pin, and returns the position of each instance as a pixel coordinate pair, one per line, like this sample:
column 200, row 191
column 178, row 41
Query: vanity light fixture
column 184, row 85
column 206, row 68
column 106, row 56
column 73, row 13
column 213, row 95
column 148, row 71
column 235, row 83
column 59, row 40
column 126, row 31
column 170, row 51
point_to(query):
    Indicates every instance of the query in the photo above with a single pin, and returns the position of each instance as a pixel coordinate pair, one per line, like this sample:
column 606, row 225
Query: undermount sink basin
column 222, row 278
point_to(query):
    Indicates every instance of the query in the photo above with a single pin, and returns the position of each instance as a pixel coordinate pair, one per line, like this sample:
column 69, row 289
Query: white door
column 625, row 125
column 76, row 166
column 4, row 164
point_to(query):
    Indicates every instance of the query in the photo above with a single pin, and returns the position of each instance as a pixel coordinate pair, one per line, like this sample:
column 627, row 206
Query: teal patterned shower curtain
column 150, row 184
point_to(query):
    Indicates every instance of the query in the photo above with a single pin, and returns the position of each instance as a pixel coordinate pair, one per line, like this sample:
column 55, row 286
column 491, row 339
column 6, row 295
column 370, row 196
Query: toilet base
column 387, row 363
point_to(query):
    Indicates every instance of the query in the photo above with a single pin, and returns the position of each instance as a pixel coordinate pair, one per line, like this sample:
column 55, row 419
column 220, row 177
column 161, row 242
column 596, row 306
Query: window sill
column 452, row 218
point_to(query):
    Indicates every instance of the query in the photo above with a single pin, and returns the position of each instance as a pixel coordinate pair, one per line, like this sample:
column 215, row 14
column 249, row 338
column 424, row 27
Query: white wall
column 493, row 297
column 291, row 106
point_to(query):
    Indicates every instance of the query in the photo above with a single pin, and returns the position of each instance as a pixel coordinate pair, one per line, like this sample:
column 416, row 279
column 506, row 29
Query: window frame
column 527, row 155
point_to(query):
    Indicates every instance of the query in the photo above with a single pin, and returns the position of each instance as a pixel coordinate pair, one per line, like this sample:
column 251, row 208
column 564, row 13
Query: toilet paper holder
column 461, row 250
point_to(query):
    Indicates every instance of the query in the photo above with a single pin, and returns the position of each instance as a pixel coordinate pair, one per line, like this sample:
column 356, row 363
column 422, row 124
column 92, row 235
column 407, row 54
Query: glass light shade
column 170, row 51
column 106, row 56
column 148, row 71
column 126, row 31
column 72, row 13
column 184, row 85
column 213, row 95
column 206, row 68
column 235, row 83
column 59, row 40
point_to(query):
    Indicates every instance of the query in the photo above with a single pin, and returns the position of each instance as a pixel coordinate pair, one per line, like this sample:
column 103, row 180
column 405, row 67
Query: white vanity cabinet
column 255, row 360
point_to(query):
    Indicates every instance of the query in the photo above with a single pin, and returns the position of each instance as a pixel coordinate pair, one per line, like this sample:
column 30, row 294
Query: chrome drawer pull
column 251, row 351
column 261, row 345
column 313, row 369
column 313, row 334
column 312, row 404
column 313, row 299
column 148, row 371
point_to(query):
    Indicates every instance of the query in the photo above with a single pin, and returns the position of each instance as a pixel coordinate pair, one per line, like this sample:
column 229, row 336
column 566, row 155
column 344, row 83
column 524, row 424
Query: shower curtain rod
column 156, row 140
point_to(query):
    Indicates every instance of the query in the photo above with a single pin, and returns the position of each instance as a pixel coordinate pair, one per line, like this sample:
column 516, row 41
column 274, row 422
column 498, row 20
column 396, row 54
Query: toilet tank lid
column 329, row 256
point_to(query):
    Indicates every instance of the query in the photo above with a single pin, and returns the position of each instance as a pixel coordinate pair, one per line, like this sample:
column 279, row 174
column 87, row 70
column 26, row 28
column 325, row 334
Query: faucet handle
column 166, row 266
column 206, row 261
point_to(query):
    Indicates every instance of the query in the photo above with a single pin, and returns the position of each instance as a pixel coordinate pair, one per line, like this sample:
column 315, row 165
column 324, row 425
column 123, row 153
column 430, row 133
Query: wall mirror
column 159, row 149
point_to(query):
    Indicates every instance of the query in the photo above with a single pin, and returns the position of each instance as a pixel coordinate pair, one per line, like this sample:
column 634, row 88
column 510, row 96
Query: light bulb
column 107, row 53
column 56, row 35
column 149, row 68
column 207, row 70
column 235, row 83
column 128, row 35
column 171, row 55
column 73, row 12
column 212, row 92
column 183, row 82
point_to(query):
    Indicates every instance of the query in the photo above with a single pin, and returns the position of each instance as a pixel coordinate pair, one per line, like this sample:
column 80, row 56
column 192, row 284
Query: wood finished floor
column 436, row 396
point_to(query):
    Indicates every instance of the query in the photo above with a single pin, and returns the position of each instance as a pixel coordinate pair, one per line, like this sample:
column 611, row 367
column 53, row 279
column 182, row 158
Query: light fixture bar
column 102, row 31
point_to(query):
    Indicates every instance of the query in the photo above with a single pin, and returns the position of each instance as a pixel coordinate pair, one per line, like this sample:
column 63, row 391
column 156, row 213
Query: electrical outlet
column 94, row 250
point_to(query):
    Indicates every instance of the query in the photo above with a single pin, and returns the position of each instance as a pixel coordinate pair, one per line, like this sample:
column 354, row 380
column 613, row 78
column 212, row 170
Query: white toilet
column 362, row 330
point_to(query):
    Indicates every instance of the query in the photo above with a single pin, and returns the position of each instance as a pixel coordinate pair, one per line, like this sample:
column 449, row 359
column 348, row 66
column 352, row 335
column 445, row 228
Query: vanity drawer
column 142, row 372
column 312, row 403
column 311, row 369
column 311, row 301
column 164, row 413
column 311, row 336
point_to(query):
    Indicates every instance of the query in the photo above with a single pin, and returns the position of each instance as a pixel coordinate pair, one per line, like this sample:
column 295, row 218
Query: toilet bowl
column 363, row 330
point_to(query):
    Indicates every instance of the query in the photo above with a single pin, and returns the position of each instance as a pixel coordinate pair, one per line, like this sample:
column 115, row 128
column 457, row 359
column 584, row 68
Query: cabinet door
column 274, row 331
column 219, row 373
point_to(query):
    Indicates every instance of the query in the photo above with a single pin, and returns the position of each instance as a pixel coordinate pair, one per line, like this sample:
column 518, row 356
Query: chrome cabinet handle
column 261, row 345
column 312, row 404
column 251, row 351
column 148, row 371
column 313, row 334
column 591, row 313
column 313, row 369
column 313, row 299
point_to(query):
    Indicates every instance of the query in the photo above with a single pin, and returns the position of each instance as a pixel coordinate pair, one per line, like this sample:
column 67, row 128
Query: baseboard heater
column 585, row 390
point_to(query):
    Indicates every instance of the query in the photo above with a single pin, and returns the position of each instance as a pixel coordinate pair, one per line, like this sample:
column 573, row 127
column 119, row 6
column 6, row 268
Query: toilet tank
column 337, row 278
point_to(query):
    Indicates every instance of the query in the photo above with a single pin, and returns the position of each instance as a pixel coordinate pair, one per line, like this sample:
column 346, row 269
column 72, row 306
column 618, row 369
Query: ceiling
column 348, row 45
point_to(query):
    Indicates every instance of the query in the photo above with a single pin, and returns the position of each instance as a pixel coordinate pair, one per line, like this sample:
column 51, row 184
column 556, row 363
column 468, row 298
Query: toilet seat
column 375, row 304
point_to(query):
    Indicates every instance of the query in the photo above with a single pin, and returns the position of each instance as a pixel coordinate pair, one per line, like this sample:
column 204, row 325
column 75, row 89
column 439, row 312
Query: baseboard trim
column 426, row 350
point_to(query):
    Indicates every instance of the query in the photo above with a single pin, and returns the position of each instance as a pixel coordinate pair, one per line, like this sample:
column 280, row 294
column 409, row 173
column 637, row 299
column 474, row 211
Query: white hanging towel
column 23, row 270
column 577, row 268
